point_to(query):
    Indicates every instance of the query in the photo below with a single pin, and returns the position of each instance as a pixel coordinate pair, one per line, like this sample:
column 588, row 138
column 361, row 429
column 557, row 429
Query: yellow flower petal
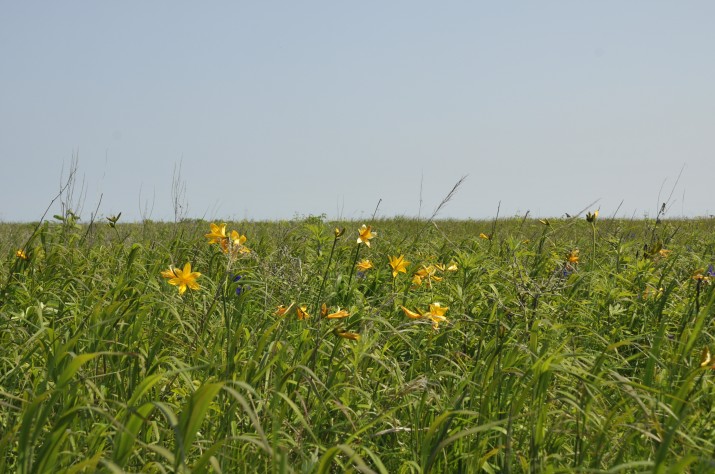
column 437, row 309
column 339, row 314
column 410, row 314
column 349, row 335
column 436, row 314
column 168, row 273
column 217, row 234
column 302, row 312
column 705, row 357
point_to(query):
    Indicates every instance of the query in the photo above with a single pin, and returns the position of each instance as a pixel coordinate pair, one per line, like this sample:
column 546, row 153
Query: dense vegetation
column 506, row 346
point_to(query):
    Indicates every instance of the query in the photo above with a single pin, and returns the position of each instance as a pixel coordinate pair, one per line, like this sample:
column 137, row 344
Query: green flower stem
column 593, row 245
column 316, row 306
column 318, row 336
column 227, row 322
column 352, row 269
column 200, row 331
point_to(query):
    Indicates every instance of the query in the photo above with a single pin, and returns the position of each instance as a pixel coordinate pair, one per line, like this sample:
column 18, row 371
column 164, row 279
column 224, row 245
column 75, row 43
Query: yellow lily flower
column 438, row 309
column 436, row 314
column 365, row 234
column 484, row 236
column 339, row 231
column 237, row 239
column 302, row 312
column 21, row 254
column 429, row 272
column 364, row 265
column 339, row 314
column 234, row 244
column 217, row 234
column 572, row 257
column 182, row 278
column 398, row 264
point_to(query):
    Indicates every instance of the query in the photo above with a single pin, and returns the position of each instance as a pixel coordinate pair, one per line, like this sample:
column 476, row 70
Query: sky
column 276, row 110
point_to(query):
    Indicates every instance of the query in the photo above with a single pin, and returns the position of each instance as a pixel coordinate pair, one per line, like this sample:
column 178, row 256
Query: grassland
column 549, row 360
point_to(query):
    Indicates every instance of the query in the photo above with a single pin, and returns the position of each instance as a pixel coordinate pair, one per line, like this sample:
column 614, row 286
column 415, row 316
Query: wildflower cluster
column 365, row 235
column 301, row 312
column 232, row 244
column 435, row 314
column 424, row 275
column 428, row 273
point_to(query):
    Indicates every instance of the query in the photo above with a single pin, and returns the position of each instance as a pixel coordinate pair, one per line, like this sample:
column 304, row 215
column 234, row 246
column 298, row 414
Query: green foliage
column 542, row 365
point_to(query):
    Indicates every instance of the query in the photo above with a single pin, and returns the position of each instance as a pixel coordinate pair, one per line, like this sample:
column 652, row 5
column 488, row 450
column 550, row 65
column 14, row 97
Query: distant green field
column 514, row 345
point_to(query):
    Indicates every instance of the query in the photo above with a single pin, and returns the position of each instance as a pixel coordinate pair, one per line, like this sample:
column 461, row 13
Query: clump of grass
column 516, row 355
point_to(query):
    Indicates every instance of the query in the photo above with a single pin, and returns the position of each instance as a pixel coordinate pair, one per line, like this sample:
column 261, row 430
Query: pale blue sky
column 284, row 108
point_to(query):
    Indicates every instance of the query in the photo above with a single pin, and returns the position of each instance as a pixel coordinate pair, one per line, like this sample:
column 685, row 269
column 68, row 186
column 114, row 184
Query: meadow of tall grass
column 514, row 345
